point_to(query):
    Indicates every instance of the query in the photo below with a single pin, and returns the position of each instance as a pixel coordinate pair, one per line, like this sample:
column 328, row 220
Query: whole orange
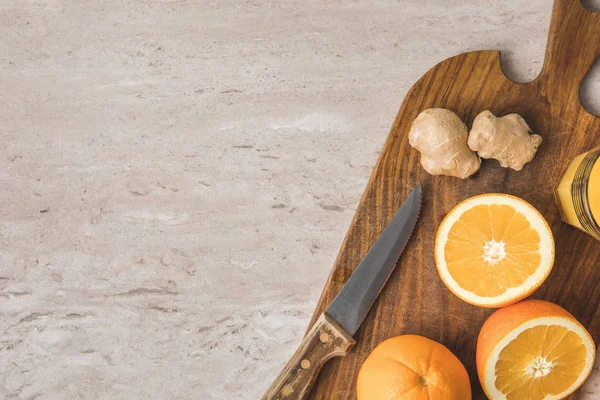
column 412, row 367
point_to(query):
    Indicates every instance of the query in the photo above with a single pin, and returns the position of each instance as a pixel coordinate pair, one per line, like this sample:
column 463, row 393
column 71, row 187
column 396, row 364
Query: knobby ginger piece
column 441, row 138
column 505, row 139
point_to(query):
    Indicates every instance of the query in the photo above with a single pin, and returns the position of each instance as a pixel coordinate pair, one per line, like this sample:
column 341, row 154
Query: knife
column 332, row 334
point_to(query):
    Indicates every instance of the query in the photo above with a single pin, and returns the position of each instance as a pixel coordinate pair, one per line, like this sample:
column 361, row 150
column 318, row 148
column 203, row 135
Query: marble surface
column 176, row 177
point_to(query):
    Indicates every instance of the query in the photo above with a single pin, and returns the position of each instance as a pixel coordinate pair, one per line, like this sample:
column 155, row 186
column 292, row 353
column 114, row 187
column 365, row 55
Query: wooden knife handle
column 325, row 340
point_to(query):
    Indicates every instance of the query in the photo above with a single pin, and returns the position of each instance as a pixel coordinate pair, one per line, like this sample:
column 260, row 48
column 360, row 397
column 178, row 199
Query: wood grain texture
column 414, row 299
column 324, row 341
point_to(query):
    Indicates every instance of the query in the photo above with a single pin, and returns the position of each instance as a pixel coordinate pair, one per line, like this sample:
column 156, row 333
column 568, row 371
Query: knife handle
column 325, row 340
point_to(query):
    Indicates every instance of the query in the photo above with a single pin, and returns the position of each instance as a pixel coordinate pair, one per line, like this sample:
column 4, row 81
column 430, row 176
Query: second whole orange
column 412, row 367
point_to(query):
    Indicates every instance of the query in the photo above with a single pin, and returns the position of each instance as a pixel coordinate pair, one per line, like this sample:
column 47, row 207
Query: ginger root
column 505, row 139
column 441, row 138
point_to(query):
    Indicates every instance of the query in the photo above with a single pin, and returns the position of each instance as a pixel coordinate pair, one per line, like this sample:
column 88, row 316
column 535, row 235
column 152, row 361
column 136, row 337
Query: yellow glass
column 578, row 194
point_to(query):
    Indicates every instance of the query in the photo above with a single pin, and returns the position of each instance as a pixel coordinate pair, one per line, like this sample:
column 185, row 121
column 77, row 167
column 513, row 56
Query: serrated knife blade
column 353, row 302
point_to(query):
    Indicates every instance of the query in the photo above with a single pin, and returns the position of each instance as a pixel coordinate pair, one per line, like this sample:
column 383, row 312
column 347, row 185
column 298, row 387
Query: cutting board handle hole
column 521, row 69
column 589, row 91
column 592, row 5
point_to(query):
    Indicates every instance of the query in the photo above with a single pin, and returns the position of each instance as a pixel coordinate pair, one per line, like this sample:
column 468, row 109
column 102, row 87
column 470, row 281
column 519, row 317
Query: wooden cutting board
column 414, row 299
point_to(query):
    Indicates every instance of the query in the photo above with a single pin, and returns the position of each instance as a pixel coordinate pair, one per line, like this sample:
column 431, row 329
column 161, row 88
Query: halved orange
column 533, row 350
column 493, row 250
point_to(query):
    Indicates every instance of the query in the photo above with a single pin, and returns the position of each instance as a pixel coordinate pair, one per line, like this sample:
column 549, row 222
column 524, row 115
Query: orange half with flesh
column 533, row 350
column 493, row 250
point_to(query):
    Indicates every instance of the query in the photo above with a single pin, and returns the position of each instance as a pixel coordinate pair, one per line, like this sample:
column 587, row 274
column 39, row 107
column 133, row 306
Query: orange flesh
column 485, row 224
column 562, row 352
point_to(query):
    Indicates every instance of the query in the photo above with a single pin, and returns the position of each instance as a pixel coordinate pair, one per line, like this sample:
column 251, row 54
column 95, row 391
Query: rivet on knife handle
column 324, row 341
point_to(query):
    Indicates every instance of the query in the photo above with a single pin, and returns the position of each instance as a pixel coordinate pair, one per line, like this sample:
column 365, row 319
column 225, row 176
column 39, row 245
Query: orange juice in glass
column 578, row 194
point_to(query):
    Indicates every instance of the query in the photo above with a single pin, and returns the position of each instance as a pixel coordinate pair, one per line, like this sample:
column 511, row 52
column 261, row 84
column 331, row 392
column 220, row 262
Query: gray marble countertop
column 176, row 177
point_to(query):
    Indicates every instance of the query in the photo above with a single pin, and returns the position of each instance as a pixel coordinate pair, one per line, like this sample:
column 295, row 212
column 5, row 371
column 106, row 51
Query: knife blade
column 332, row 334
column 352, row 304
